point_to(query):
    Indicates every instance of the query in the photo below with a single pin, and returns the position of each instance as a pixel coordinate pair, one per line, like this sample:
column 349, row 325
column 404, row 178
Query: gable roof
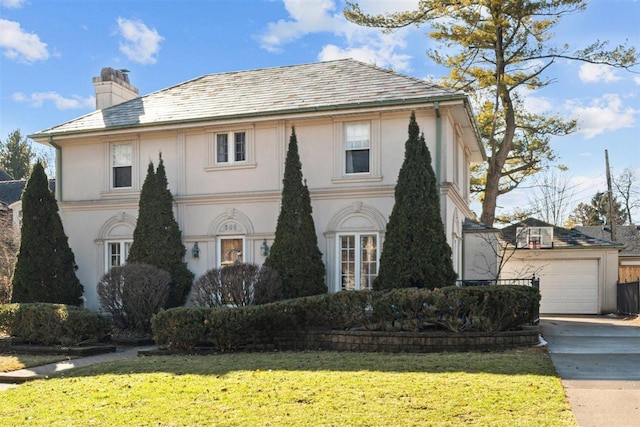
column 11, row 191
column 563, row 238
column 322, row 86
column 628, row 235
column 5, row 176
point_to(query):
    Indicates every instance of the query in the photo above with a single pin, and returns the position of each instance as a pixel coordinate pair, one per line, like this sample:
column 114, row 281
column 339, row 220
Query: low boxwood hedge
column 491, row 308
column 52, row 324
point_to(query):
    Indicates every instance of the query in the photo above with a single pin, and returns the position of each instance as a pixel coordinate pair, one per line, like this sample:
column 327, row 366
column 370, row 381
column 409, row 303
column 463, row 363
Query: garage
column 566, row 286
column 578, row 273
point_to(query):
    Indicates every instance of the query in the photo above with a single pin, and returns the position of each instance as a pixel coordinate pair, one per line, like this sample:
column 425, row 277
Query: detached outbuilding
column 578, row 273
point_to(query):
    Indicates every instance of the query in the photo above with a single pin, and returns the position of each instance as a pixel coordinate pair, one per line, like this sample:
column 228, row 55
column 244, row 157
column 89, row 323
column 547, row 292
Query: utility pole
column 610, row 192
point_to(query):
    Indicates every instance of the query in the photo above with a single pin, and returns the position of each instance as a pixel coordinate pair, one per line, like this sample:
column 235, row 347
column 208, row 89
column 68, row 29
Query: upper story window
column 231, row 147
column 534, row 237
column 357, row 146
column 121, row 161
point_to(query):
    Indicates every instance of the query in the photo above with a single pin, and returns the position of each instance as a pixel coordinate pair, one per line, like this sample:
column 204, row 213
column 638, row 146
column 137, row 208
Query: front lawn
column 513, row 388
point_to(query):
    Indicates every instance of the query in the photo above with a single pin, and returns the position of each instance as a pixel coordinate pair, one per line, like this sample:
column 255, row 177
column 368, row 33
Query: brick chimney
column 112, row 88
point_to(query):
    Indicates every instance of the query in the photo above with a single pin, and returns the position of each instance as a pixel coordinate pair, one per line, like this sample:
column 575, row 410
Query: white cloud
column 321, row 16
column 597, row 73
column 61, row 103
column 19, row 45
column 11, row 4
column 604, row 114
column 141, row 44
column 636, row 79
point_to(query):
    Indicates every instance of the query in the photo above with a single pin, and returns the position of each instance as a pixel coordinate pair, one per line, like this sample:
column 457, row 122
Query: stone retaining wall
column 408, row 342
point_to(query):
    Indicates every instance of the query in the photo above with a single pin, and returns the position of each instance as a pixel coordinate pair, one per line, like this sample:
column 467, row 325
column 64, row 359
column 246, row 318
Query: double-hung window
column 358, row 260
column 357, row 147
column 231, row 147
column 121, row 161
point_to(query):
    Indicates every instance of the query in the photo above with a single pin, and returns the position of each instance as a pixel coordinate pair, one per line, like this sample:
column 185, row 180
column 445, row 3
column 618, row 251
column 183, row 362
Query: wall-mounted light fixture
column 264, row 248
column 195, row 250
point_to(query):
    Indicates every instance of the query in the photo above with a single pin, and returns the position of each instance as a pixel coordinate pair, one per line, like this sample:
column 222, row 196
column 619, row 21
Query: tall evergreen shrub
column 294, row 253
column 157, row 238
column 415, row 251
column 45, row 268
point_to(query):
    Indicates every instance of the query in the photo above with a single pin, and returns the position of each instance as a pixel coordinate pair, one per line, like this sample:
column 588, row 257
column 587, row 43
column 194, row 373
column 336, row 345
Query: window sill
column 356, row 178
column 117, row 192
column 230, row 166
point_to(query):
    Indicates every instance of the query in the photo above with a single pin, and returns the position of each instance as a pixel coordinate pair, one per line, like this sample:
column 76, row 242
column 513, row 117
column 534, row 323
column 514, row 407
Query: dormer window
column 534, row 237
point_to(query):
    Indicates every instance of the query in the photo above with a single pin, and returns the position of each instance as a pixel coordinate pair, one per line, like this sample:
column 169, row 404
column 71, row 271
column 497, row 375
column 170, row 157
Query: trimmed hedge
column 53, row 324
column 483, row 309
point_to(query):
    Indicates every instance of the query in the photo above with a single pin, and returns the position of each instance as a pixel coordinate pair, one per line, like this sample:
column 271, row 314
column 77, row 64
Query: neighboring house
column 223, row 139
column 11, row 197
column 578, row 273
column 5, row 176
column 629, row 258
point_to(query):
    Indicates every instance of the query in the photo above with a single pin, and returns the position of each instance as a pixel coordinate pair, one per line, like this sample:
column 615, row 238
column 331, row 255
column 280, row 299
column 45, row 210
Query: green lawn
column 14, row 361
column 514, row 388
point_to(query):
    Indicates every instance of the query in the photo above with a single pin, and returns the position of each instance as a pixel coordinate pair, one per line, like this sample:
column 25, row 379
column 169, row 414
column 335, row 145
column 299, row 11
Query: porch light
column 264, row 248
column 195, row 251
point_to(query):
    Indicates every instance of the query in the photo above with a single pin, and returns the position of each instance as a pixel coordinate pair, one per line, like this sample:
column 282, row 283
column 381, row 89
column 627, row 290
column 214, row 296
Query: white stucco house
column 223, row 139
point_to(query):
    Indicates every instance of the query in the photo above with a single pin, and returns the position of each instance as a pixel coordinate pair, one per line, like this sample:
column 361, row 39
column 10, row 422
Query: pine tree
column 16, row 155
column 45, row 269
column 415, row 251
column 157, row 239
column 294, row 253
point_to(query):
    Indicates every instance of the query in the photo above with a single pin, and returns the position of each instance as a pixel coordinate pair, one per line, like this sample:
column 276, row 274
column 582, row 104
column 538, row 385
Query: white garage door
column 566, row 286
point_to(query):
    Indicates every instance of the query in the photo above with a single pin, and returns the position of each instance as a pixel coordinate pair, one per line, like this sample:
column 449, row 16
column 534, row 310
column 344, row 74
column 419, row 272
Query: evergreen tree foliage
column 294, row 253
column 16, row 155
column 415, row 251
column 45, row 269
column 157, row 238
column 597, row 213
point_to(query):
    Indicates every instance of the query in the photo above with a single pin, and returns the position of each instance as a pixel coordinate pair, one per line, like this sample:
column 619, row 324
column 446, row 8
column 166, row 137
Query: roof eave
column 43, row 136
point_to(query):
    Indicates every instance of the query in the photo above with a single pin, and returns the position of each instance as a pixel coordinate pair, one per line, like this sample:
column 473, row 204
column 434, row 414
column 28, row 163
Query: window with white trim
column 121, row 165
column 357, row 148
column 357, row 260
column 534, row 237
column 116, row 253
column 231, row 147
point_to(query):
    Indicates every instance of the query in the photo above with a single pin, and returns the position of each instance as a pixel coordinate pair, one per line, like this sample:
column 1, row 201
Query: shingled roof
column 11, row 191
column 5, row 176
column 562, row 238
column 322, row 86
column 628, row 235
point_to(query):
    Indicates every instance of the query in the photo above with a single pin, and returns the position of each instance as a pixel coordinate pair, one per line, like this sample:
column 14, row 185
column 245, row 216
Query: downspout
column 58, row 168
column 436, row 105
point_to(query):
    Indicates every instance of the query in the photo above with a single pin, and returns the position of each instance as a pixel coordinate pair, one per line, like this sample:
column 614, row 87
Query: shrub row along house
column 223, row 139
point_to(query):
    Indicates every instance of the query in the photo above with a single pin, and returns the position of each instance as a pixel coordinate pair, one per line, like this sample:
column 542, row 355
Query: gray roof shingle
column 4, row 176
column 298, row 88
column 628, row 235
column 11, row 191
column 562, row 237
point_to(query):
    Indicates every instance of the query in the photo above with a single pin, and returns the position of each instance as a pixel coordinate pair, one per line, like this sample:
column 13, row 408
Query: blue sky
column 50, row 50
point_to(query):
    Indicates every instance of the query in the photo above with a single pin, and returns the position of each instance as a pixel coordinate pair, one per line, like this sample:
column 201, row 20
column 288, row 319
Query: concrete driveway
column 598, row 359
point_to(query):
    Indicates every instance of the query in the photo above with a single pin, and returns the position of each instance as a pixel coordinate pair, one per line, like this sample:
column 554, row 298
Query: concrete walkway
column 598, row 360
column 13, row 379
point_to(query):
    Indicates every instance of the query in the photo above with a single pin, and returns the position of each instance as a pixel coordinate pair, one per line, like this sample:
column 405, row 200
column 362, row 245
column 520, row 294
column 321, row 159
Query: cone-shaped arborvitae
column 294, row 253
column 415, row 251
column 45, row 268
column 157, row 238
